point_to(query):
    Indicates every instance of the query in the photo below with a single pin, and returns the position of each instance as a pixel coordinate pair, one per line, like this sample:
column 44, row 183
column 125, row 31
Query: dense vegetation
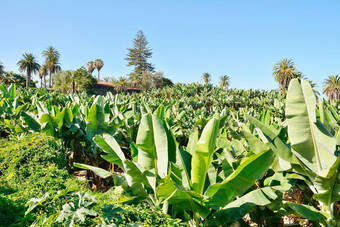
column 201, row 154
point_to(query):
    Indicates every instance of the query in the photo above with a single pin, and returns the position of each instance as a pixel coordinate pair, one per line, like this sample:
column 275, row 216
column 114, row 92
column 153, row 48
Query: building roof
column 103, row 83
column 110, row 84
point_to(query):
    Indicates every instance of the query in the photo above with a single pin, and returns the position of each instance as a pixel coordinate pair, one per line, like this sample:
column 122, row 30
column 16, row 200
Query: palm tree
column 284, row 71
column 30, row 65
column 99, row 65
column 224, row 81
column 49, row 54
column 90, row 66
column 2, row 69
column 206, row 77
column 7, row 78
column 53, row 66
column 134, row 80
column 121, row 84
column 43, row 72
column 331, row 87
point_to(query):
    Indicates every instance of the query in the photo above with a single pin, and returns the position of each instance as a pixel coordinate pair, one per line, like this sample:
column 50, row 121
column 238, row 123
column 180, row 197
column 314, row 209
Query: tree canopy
column 138, row 55
column 331, row 87
column 29, row 65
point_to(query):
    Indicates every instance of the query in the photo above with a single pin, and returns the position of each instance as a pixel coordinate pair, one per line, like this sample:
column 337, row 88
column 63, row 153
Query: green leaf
column 152, row 145
column 312, row 143
column 203, row 154
column 182, row 199
column 328, row 187
column 12, row 91
column 91, row 122
column 240, row 207
column 31, row 121
column 98, row 171
column 47, row 124
column 276, row 144
column 240, row 180
column 139, row 175
column 192, row 143
column 109, row 145
column 34, row 202
column 255, row 144
column 306, row 211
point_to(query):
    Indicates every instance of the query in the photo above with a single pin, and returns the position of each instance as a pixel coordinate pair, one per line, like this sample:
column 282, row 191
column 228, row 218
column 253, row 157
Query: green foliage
column 30, row 167
column 18, row 79
column 139, row 54
column 144, row 215
column 203, row 154
column 29, row 65
column 77, row 211
column 72, row 81
column 83, row 209
column 331, row 87
column 52, row 63
column 151, row 80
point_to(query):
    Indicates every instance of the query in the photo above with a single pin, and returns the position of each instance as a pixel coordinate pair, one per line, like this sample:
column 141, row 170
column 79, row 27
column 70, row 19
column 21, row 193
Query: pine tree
column 139, row 54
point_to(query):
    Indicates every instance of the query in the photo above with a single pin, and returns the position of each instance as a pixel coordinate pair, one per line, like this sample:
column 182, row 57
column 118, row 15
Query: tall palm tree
column 90, row 66
column 30, row 65
column 49, row 54
column 284, row 71
column 224, row 81
column 206, row 77
column 331, row 87
column 121, row 84
column 99, row 65
column 43, row 72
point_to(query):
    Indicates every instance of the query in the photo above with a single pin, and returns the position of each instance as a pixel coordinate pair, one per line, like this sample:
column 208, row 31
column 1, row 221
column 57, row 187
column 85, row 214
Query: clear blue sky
column 242, row 39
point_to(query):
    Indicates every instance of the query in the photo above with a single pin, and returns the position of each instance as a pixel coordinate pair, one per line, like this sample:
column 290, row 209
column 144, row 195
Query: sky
column 242, row 39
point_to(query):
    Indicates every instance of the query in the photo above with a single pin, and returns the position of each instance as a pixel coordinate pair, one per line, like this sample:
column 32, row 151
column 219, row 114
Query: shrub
column 30, row 167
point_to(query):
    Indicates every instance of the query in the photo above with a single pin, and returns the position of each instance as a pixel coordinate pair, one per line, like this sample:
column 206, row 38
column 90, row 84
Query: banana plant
column 151, row 155
column 310, row 151
column 194, row 190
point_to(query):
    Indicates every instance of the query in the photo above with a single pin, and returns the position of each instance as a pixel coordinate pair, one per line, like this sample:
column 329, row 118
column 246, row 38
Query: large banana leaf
column 240, row 207
column 48, row 123
column 276, row 144
column 109, row 145
column 203, row 154
column 152, row 145
column 134, row 173
column 329, row 187
column 311, row 142
column 240, row 180
column 31, row 121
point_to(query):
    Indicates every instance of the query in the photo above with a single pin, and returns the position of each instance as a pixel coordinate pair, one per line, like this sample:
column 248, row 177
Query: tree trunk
column 28, row 79
column 41, row 82
column 73, row 87
column 50, row 80
column 98, row 75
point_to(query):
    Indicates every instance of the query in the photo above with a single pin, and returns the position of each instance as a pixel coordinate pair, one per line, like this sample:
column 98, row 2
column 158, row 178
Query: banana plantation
column 197, row 154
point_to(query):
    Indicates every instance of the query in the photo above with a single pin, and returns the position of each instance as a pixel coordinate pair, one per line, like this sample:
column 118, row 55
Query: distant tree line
column 143, row 75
